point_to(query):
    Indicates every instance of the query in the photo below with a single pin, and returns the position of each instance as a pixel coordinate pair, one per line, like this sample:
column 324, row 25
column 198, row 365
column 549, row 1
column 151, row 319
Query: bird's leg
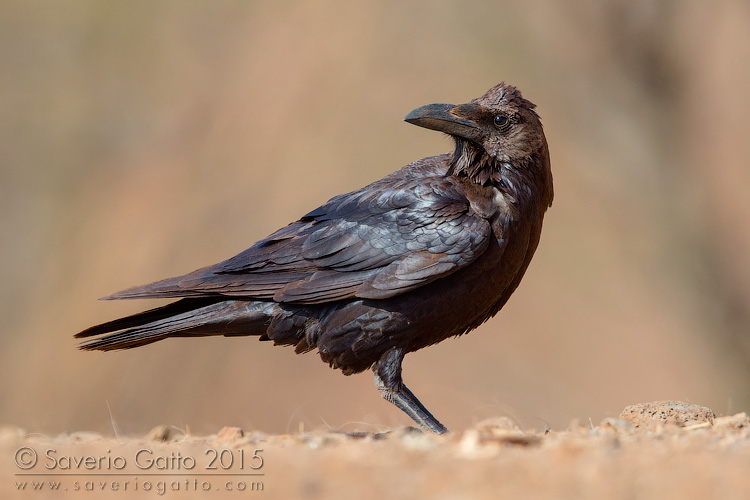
column 388, row 381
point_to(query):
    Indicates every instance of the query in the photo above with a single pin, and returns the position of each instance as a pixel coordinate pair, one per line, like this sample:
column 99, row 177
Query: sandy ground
column 659, row 450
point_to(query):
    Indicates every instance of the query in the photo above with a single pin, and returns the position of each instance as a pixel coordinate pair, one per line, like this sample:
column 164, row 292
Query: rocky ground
column 658, row 450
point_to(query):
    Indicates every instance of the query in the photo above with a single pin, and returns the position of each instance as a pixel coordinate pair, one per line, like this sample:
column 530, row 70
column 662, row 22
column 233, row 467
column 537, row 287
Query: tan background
column 141, row 140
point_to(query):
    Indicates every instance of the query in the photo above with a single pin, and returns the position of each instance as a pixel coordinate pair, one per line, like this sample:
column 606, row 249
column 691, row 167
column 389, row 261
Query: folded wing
column 371, row 243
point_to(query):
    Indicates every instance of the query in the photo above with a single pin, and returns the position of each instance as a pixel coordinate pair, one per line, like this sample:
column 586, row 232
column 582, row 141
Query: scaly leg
column 388, row 381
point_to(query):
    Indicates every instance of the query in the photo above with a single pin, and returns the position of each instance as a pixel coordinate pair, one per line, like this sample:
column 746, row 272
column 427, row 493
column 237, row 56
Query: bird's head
column 495, row 132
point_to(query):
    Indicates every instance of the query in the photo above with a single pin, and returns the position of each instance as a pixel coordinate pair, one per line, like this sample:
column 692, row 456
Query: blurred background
column 141, row 140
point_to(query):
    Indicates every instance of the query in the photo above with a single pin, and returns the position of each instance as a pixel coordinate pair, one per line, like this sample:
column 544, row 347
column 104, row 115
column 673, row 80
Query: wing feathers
column 371, row 243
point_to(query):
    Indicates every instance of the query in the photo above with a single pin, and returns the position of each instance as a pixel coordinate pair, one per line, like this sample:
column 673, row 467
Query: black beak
column 461, row 121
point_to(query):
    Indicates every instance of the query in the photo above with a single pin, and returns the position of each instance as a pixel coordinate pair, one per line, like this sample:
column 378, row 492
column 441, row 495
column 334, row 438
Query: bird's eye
column 502, row 122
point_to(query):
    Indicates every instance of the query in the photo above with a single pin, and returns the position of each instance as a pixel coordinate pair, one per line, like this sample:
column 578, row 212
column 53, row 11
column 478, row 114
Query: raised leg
column 388, row 381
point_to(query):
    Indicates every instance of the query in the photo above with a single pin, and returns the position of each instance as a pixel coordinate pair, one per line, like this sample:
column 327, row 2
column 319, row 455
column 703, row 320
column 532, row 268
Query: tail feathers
column 184, row 318
column 149, row 316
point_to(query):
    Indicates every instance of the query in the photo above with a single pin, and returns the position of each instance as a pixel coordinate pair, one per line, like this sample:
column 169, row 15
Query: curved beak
column 461, row 120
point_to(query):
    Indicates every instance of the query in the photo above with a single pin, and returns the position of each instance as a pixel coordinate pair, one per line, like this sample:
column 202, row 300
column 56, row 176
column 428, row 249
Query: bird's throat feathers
column 472, row 162
column 523, row 179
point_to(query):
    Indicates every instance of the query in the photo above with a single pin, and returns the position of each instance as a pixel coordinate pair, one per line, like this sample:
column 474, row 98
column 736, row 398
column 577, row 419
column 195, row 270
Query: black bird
column 428, row 252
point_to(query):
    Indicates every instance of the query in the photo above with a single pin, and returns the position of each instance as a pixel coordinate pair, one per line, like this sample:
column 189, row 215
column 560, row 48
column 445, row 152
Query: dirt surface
column 656, row 450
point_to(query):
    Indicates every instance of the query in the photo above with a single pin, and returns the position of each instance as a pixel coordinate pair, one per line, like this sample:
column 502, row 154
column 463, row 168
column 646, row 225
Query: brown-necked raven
column 429, row 252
